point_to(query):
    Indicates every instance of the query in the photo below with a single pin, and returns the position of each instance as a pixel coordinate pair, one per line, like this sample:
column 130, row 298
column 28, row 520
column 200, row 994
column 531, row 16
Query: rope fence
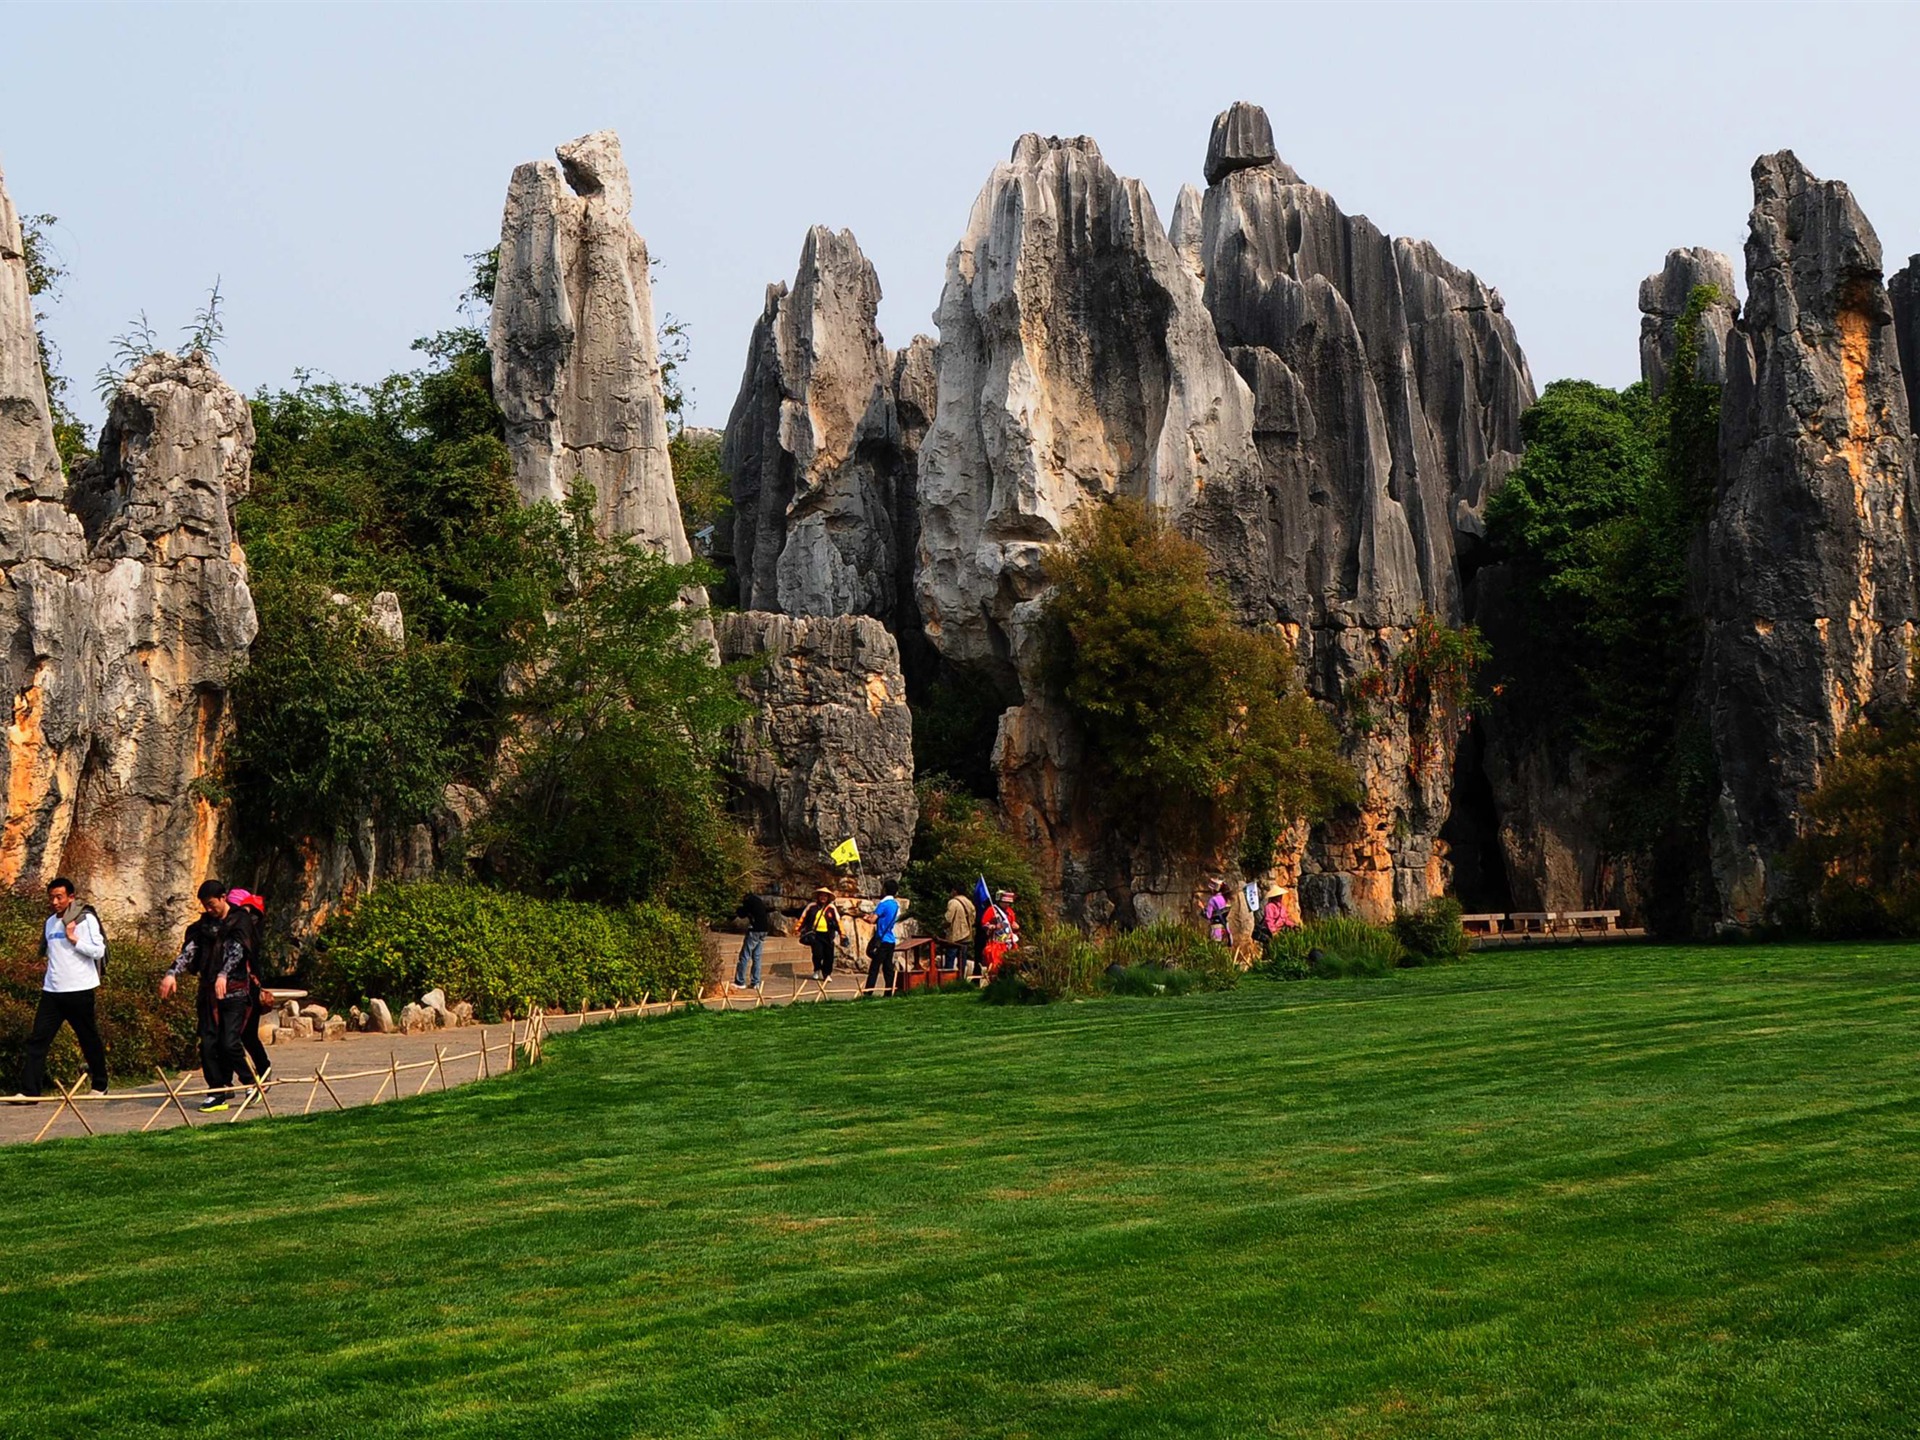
column 524, row 1046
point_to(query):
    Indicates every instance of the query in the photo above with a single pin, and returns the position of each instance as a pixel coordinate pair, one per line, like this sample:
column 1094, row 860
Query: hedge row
column 504, row 952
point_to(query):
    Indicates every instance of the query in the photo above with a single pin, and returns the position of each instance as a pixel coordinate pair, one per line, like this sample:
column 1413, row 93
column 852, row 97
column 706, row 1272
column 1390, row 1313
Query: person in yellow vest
column 820, row 928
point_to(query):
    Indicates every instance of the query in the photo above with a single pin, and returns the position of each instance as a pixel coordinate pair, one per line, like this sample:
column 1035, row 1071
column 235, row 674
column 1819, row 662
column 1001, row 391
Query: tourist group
column 221, row 951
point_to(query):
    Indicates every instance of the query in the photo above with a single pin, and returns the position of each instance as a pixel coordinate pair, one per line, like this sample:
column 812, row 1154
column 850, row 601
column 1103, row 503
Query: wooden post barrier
column 173, row 1094
column 321, row 1076
column 66, row 1102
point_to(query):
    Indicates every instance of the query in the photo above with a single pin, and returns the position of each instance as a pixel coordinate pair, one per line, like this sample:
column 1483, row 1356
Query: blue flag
column 982, row 897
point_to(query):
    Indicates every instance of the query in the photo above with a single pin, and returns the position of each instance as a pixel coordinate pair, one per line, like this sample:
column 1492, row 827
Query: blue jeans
column 749, row 949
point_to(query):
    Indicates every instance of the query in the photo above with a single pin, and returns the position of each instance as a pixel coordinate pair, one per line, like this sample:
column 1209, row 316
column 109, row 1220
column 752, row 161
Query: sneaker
column 817, row 975
column 96, row 1094
column 20, row 1097
column 213, row 1104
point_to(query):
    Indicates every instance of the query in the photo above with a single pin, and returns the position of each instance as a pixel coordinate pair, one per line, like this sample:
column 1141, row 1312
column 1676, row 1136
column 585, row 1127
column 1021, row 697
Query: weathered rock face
column 576, row 367
column 1076, row 361
column 821, row 462
column 1388, row 389
column 1904, row 292
column 1810, row 576
column 126, row 614
column 172, row 622
column 1663, row 300
column 828, row 753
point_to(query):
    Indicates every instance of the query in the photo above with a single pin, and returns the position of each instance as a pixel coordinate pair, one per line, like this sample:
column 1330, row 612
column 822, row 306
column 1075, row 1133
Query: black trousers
column 250, row 1037
column 70, row 1007
column 822, row 946
column 880, row 963
column 222, row 1051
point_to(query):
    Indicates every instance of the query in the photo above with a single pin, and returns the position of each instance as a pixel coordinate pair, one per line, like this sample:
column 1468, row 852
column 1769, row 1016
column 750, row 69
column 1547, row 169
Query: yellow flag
column 845, row 853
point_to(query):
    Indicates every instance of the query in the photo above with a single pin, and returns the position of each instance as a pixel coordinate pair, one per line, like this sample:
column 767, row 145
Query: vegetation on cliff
column 1187, row 716
column 519, row 621
column 1602, row 644
column 1859, row 862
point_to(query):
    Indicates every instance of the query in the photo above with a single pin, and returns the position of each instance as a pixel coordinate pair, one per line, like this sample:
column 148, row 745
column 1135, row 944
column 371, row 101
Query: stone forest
column 1540, row 699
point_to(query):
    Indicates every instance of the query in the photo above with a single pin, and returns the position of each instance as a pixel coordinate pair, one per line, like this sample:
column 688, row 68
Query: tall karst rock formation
column 821, row 450
column 821, row 460
column 1810, row 600
column 127, row 613
column 1324, row 408
column 1388, row 387
column 1076, row 362
column 576, row 363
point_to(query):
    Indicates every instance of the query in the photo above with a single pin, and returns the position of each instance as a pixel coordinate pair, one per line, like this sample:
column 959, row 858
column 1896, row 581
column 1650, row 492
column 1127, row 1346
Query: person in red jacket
column 1003, row 931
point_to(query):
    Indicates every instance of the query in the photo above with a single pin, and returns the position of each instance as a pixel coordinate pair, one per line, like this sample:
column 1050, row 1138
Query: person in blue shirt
column 880, row 949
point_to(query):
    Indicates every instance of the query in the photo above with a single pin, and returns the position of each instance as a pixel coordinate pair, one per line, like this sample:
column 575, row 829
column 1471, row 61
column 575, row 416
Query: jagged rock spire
column 576, row 367
column 1810, row 567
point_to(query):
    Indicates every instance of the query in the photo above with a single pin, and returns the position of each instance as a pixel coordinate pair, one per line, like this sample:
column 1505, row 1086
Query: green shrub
column 1346, row 947
column 1192, row 720
column 140, row 1029
column 1859, row 861
column 1169, row 946
column 959, row 838
column 1053, row 962
column 1149, row 980
column 1432, row 935
column 504, row 952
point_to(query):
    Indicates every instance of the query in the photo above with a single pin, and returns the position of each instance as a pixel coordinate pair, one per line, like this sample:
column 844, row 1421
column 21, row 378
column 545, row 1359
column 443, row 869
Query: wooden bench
column 1532, row 922
column 1604, row 921
column 1482, row 924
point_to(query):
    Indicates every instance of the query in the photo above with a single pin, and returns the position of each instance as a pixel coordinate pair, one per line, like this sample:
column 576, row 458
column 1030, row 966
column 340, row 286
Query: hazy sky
column 332, row 165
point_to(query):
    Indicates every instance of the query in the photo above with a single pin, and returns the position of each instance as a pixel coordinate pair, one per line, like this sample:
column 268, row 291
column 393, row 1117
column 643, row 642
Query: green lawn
column 1632, row 1192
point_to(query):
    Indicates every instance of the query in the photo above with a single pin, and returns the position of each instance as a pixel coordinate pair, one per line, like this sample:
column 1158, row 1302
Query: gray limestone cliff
column 576, row 367
column 1810, row 567
column 828, row 753
column 1664, row 298
column 820, row 455
column 1903, row 290
column 1076, row 361
column 126, row 614
column 1388, row 388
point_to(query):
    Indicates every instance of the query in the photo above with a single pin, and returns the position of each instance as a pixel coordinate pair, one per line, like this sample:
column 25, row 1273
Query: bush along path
column 366, row 1069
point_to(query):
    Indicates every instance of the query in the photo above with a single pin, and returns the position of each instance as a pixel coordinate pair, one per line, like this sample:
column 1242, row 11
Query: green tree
column 1597, row 523
column 45, row 275
column 1859, row 858
column 959, row 838
column 1192, row 722
column 609, row 787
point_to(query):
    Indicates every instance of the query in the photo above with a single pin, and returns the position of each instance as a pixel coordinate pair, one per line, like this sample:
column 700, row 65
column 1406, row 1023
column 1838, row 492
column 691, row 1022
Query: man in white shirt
column 75, row 948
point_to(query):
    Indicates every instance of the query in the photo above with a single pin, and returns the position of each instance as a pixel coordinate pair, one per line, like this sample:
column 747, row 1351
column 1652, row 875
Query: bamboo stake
column 321, row 1076
column 65, row 1098
column 393, row 1071
column 173, row 1093
column 313, row 1087
column 486, row 1071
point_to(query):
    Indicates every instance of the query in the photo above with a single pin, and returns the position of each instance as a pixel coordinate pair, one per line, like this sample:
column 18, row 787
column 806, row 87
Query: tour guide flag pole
column 982, row 897
column 845, row 853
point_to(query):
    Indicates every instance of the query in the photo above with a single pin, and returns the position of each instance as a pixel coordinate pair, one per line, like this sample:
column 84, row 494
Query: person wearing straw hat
column 1278, row 913
column 820, row 928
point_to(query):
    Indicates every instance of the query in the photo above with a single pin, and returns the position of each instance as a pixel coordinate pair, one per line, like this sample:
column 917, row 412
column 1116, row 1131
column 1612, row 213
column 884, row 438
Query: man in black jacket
column 759, row 925
column 216, row 950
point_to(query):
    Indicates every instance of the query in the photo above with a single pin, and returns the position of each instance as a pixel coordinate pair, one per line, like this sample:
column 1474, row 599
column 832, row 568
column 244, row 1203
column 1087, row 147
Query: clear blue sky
column 332, row 165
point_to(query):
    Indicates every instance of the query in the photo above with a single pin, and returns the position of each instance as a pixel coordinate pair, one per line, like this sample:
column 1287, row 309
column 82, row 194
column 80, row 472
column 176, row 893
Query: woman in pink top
column 1278, row 912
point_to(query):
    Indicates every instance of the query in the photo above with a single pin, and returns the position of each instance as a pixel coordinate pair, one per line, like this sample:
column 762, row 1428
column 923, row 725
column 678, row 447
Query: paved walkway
column 358, row 1069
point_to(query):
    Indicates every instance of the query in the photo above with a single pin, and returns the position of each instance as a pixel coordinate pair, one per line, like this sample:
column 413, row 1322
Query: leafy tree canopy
column 1194, row 721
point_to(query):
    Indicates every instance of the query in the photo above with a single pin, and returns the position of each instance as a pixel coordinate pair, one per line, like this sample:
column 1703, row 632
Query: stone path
column 292, row 1089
